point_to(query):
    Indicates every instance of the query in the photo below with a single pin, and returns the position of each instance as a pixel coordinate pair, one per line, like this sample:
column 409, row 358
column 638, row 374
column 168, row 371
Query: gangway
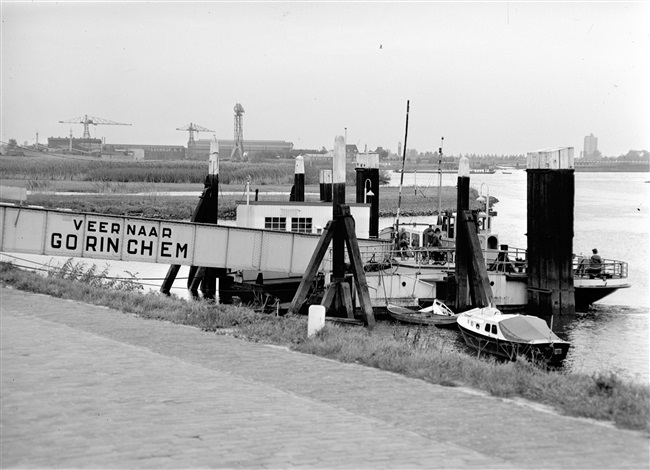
column 53, row 232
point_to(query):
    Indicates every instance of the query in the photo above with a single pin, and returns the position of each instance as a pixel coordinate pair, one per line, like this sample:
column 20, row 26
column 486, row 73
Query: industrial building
column 72, row 145
column 202, row 147
column 151, row 152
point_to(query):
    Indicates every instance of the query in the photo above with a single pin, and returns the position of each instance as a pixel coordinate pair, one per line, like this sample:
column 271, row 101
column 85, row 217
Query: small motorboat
column 438, row 314
column 511, row 335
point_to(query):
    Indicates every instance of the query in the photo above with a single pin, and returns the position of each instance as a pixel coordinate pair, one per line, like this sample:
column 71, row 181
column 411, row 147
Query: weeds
column 92, row 276
column 38, row 185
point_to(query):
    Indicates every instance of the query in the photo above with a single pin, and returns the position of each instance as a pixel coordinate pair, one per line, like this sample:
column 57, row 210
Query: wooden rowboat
column 437, row 314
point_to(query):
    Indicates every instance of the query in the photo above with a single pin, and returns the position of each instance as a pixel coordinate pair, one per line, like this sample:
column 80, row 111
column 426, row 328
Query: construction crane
column 192, row 128
column 191, row 145
column 238, row 149
column 95, row 121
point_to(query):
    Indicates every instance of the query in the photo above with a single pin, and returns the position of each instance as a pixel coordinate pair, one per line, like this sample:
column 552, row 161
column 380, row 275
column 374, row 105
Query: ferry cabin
column 301, row 217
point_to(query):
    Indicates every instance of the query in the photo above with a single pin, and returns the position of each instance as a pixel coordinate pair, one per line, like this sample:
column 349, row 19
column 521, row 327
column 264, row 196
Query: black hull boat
column 438, row 314
column 507, row 336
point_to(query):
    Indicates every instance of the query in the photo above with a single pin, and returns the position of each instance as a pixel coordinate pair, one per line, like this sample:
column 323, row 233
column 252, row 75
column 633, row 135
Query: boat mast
column 401, row 178
column 442, row 139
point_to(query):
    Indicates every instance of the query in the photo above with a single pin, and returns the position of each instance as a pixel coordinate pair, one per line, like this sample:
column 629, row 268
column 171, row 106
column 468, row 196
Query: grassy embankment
column 114, row 182
column 413, row 352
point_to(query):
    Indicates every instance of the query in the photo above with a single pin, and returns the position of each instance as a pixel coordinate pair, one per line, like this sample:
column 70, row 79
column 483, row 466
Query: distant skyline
column 498, row 78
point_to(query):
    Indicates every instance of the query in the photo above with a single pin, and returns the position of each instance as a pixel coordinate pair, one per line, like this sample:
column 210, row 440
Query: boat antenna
column 401, row 178
column 442, row 139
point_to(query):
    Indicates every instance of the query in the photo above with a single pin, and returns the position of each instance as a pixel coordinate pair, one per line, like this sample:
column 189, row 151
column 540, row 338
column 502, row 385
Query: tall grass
column 178, row 171
column 410, row 352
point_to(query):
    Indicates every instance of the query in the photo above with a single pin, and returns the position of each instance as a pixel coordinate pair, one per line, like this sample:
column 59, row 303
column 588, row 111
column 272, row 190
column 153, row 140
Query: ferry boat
column 506, row 266
column 414, row 277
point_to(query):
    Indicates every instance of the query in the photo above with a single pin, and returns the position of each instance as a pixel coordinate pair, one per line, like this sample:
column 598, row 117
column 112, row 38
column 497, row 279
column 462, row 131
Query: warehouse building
column 151, row 152
column 202, row 148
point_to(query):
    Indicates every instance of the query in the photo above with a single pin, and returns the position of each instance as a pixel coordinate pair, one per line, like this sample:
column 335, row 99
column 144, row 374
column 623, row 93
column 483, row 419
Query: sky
column 489, row 77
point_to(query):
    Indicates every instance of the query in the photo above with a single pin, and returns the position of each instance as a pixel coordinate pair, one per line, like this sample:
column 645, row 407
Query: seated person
column 595, row 264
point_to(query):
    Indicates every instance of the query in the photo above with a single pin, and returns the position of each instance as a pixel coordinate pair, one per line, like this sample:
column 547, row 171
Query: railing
column 384, row 255
column 374, row 257
column 608, row 269
column 512, row 260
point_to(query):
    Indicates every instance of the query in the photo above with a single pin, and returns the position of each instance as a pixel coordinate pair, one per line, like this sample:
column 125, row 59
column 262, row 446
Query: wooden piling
column 550, row 205
column 340, row 232
column 367, row 185
column 299, row 179
column 338, row 200
column 326, row 185
column 206, row 211
column 462, row 244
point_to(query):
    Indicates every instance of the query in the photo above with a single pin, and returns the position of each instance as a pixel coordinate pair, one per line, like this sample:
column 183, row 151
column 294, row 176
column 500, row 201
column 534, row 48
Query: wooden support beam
column 357, row 270
column 345, row 295
column 205, row 211
column 328, row 296
column 482, row 290
column 462, row 248
column 312, row 268
column 195, row 279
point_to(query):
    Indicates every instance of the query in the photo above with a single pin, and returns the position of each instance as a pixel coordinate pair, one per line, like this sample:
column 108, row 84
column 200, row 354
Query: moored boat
column 437, row 314
column 507, row 336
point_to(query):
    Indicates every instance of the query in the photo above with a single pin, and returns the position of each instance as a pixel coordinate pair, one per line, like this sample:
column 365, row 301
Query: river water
column 611, row 214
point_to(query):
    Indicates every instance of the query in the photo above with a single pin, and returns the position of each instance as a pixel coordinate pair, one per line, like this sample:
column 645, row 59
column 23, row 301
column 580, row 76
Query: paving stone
column 90, row 387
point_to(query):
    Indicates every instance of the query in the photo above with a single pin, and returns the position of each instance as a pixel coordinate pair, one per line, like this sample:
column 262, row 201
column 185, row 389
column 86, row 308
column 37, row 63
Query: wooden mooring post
column 462, row 245
column 206, row 211
column 551, row 191
column 341, row 234
column 298, row 190
column 326, row 185
column 367, row 185
column 472, row 281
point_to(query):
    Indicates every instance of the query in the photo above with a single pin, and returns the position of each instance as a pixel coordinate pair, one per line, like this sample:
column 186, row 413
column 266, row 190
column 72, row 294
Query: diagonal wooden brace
column 312, row 268
column 478, row 270
column 357, row 269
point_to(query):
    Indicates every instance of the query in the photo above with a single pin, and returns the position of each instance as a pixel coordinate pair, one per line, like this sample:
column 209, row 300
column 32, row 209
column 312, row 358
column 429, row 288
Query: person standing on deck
column 403, row 243
column 427, row 241
column 438, row 256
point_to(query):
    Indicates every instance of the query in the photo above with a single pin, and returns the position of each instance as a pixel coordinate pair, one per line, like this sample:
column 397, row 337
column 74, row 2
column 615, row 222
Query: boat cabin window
column 415, row 239
column 487, row 327
column 494, row 329
column 301, row 224
column 275, row 223
column 492, row 242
